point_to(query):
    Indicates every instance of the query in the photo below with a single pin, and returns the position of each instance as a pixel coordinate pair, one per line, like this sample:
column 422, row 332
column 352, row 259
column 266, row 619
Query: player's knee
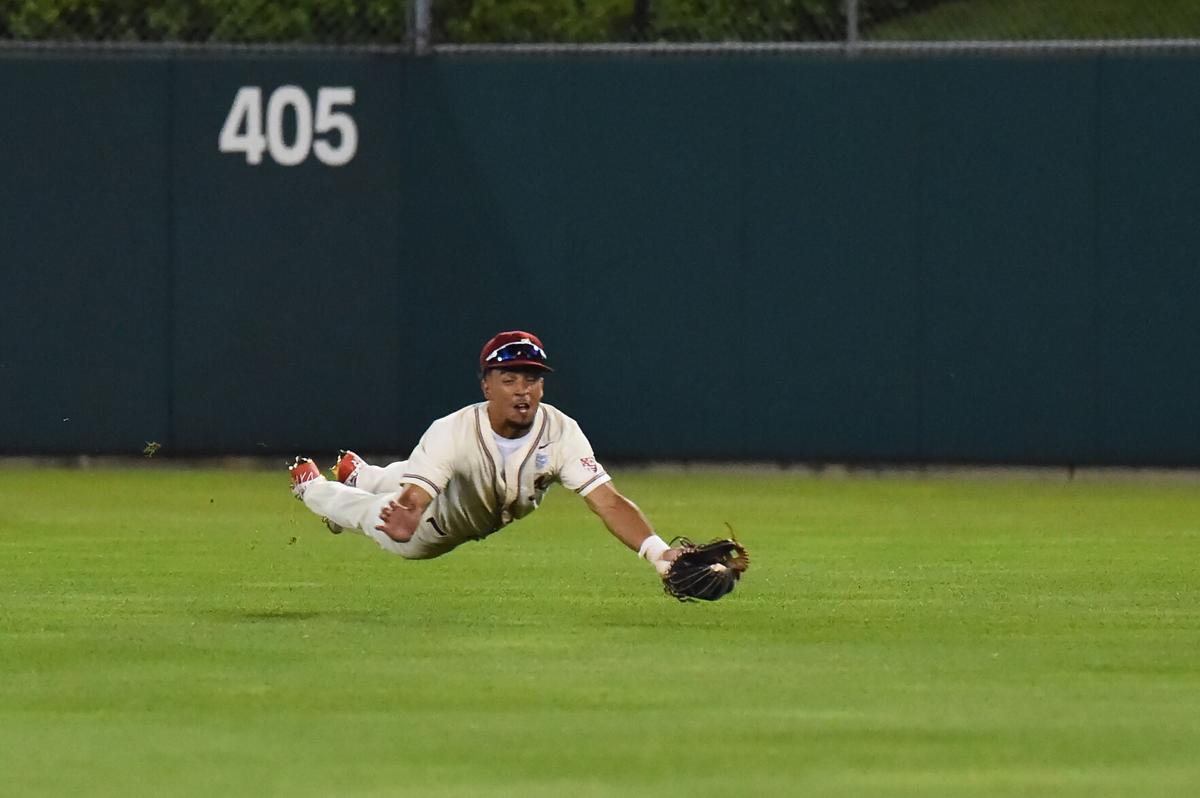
column 409, row 550
column 419, row 552
column 389, row 545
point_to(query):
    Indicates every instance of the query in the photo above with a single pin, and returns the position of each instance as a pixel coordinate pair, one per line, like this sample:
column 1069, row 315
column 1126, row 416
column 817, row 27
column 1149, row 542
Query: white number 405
column 243, row 128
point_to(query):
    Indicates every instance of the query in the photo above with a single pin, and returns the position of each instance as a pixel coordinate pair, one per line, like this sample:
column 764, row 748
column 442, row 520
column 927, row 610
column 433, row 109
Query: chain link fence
column 1042, row 20
column 420, row 23
column 207, row 21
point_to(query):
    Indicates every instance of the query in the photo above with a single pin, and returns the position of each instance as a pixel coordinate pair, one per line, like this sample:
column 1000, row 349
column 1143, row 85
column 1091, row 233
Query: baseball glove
column 706, row 571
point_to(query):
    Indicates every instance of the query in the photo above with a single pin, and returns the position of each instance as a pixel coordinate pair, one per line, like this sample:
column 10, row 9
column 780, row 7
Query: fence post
column 851, row 24
column 420, row 23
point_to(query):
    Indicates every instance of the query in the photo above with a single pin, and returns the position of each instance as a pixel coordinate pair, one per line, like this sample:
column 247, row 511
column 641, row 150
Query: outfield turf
column 198, row 633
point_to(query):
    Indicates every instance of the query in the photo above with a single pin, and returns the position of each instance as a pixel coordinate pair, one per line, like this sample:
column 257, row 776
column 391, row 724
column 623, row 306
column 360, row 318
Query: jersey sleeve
column 431, row 465
column 579, row 470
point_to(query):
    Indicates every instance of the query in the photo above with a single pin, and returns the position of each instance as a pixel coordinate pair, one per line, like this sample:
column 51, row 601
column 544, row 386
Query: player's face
column 513, row 398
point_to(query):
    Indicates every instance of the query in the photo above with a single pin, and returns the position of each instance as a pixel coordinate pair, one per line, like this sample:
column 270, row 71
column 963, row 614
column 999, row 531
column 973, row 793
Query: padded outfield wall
column 939, row 259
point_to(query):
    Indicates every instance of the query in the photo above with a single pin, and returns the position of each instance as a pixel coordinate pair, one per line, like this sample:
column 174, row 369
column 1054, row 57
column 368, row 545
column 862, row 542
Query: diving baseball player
column 478, row 469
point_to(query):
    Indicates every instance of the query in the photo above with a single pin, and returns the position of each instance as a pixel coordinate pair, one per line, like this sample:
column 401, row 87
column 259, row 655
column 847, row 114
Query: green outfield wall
column 939, row 259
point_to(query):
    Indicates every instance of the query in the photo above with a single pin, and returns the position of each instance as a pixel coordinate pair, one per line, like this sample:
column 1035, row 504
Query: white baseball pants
column 358, row 508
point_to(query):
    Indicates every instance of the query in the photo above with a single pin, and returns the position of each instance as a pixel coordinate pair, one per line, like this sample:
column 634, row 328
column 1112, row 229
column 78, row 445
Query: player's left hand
column 663, row 563
column 708, row 571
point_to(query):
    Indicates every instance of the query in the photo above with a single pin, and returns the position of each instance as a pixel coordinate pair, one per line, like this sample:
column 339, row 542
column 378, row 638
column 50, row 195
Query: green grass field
column 198, row 633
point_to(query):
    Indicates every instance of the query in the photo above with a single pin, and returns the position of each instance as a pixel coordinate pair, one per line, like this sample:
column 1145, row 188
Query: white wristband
column 653, row 548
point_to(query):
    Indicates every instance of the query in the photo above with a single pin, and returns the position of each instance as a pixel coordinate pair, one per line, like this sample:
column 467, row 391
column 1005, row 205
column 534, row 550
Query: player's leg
column 344, row 507
column 352, row 470
column 351, row 508
column 381, row 479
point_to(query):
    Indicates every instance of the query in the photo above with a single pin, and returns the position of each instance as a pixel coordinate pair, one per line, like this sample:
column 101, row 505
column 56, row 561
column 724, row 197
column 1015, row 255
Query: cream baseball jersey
column 475, row 491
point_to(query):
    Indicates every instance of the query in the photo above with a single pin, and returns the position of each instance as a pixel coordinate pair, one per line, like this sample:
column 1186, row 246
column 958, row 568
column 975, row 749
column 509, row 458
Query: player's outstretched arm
column 399, row 518
column 629, row 525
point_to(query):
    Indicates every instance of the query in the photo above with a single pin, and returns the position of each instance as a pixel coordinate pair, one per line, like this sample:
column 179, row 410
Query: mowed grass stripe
column 198, row 632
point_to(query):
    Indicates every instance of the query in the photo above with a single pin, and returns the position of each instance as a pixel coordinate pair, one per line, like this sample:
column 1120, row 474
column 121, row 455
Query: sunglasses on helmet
column 517, row 350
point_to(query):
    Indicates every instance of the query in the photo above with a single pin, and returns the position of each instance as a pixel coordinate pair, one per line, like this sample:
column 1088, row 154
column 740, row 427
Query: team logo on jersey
column 540, row 461
column 589, row 463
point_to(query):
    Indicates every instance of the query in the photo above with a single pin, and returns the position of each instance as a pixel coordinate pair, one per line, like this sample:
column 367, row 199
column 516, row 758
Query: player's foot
column 303, row 472
column 347, row 467
column 336, row 529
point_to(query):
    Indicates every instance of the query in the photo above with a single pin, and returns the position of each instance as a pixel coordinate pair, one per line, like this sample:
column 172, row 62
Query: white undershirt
column 509, row 445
